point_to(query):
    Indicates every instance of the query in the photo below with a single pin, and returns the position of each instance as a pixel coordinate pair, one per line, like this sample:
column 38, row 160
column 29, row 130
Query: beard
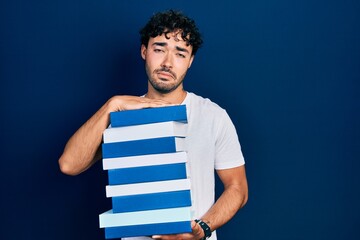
column 164, row 85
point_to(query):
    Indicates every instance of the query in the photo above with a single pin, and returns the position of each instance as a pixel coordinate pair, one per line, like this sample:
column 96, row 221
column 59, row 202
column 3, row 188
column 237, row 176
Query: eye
column 158, row 50
column 181, row 55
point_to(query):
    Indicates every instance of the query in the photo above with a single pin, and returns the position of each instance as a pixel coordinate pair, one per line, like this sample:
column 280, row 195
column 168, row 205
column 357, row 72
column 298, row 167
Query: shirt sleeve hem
column 229, row 165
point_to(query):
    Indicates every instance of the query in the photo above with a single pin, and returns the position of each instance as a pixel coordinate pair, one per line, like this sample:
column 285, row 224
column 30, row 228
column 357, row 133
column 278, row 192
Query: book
column 147, row 187
column 145, row 131
column 148, row 229
column 144, row 160
column 148, row 115
column 111, row 219
column 143, row 147
column 147, row 174
column 151, row 201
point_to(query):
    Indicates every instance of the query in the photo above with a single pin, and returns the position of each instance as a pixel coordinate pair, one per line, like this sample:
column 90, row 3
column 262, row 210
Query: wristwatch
column 205, row 228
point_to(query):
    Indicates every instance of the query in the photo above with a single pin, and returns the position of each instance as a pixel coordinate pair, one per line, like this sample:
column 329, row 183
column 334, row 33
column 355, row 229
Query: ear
column 143, row 51
column 191, row 60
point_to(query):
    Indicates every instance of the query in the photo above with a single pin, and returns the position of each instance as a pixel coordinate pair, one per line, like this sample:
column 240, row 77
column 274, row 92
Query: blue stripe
column 151, row 201
column 147, row 174
column 148, row 115
column 148, row 230
column 139, row 147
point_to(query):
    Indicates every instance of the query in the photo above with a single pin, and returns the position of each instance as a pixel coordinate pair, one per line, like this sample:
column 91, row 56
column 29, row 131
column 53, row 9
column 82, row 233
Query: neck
column 175, row 97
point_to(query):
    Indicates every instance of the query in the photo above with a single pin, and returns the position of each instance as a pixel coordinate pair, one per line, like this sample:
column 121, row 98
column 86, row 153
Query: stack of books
column 149, row 183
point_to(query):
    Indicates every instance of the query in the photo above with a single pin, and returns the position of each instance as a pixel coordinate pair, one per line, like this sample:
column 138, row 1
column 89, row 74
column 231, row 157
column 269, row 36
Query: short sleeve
column 228, row 152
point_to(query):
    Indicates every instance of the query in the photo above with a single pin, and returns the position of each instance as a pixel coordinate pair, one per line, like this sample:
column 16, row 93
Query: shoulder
column 204, row 104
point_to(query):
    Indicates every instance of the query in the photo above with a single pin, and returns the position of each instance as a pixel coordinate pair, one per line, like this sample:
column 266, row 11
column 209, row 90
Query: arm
column 84, row 148
column 233, row 198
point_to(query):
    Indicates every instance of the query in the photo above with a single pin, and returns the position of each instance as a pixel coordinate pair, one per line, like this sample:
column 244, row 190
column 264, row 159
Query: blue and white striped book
column 151, row 201
column 170, row 215
column 143, row 147
column 147, row 187
column 148, row 115
column 148, row 229
column 144, row 160
column 147, row 174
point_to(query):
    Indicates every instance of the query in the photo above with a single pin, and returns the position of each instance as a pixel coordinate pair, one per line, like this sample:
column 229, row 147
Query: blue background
column 287, row 72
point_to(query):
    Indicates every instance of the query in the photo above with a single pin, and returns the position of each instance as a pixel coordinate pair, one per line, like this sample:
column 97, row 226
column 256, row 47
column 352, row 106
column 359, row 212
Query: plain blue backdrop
column 287, row 72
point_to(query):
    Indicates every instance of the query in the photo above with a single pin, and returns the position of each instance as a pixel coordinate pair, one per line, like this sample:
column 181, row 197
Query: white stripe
column 110, row 219
column 145, row 131
column 144, row 160
column 147, row 187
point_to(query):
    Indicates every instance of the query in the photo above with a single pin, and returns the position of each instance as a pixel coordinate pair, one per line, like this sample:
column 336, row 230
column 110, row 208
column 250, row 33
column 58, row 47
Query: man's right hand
column 121, row 103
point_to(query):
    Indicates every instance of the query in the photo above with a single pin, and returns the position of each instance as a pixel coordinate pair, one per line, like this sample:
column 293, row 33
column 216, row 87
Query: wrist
column 115, row 104
column 205, row 226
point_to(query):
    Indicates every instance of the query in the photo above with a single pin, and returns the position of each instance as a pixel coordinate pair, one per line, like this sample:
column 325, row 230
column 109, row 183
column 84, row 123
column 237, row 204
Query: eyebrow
column 163, row 44
column 182, row 49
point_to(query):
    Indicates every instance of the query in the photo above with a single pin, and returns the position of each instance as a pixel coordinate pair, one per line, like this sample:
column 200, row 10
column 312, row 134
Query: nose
column 167, row 62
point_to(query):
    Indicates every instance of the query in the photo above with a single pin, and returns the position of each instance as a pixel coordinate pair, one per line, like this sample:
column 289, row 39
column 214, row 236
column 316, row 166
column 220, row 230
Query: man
column 169, row 43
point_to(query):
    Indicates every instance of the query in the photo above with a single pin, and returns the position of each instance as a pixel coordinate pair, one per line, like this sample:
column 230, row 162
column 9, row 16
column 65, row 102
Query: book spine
column 148, row 229
column 145, row 131
column 147, row 174
column 148, row 115
column 143, row 147
column 147, row 187
column 111, row 219
column 151, row 201
column 144, row 160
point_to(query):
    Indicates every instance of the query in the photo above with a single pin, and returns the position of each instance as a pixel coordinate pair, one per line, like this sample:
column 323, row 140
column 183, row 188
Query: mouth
column 165, row 74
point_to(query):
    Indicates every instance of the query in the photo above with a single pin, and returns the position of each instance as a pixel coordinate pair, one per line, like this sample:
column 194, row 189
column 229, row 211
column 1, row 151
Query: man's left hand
column 196, row 234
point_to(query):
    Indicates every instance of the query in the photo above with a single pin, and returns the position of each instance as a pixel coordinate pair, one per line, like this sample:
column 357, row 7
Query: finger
column 143, row 104
column 193, row 224
column 157, row 104
column 196, row 229
column 183, row 236
column 167, row 237
column 163, row 237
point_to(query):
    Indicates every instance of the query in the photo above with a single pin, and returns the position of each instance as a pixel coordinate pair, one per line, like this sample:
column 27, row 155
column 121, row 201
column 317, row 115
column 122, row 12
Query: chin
column 164, row 90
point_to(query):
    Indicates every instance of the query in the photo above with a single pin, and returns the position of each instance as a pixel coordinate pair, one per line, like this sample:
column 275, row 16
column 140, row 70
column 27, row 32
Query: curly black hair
column 168, row 22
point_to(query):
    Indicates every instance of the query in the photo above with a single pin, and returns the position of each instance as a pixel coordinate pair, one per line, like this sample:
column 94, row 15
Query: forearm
column 83, row 148
column 231, row 200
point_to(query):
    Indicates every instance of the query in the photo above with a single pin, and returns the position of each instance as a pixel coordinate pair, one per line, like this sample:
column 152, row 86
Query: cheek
column 153, row 61
column 183, row 66
column 150, row 62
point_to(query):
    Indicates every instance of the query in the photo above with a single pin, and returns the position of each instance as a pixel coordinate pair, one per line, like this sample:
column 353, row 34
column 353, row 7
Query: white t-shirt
column 212, row 144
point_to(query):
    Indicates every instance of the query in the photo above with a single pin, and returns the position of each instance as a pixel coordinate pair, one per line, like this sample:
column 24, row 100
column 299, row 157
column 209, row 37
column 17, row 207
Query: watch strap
column 205, row 228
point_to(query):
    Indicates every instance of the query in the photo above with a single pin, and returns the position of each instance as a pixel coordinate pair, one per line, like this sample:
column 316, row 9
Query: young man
column 169, row 43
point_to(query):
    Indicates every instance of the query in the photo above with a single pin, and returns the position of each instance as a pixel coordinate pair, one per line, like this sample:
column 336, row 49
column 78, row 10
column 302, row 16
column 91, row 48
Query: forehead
column 171, row 39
